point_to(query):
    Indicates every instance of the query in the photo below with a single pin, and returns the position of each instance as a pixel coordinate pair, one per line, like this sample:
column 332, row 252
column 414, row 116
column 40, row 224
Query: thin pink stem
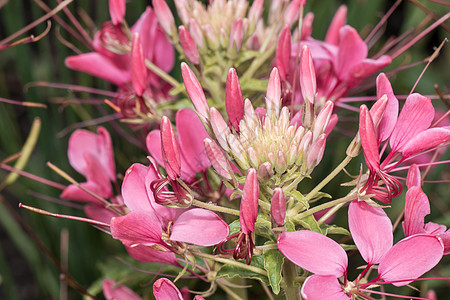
column 33, row 177
column 382, row 21
column 72, row 87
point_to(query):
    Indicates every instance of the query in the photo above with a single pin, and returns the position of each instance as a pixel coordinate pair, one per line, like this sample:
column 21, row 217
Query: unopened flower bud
column 283, row 55
column 236, row 36
column 195, row 92
column 273, row 94
column 165, row 17
column 218, row 160
column 234, row 101
column 220, row 128
column 138, row 68
column 169, row 149
column 249, row 202
column 188, row 45
column 196, row 34
column 280, row 163
column 292, row 11
column 322, row 119
column 117, row 11
column 278, row 206
column 315, row 152
column 265, row 171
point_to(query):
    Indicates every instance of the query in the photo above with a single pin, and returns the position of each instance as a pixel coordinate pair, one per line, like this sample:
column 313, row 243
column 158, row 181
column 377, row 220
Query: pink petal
column 233, row 99
column 113, row 291
column 164, row 289
column 188, row 44
column 352, row 50
column 389, row 118
column 195, row 92
column 426, row 140
column 134, row 192
column 137, row 66
column 413, row 178
column 84, row 143
column 283, row 54
column 249, row 202
column 153, row 142
column 339, row 20
column 137, row 227
column 378, row 109
column 416, row 116
column 199, row 227
column 149, row 255
column 307, row 75
column 410, row 258
column 169, row 149
column 313, row 252
column 278, row 206
column 218, row 160
column 368, row 139
column 99, row 213
column 72, row 192
column 417, row 207
column 371, row 230
column 319, row 287
column 164, row 15
column 98, row 66
column 365, row 68
column 273, row 94
column 117, row 11
column 191, row 134
column 291, row 14
column 236, row 35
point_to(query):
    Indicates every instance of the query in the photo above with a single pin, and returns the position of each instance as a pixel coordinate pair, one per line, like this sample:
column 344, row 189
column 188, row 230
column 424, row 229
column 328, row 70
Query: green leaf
column 263, row 226
column 289, row 225
column 247, row 55
column 299, row 198
column 273, row 263
column 254, row 85
column 177, row 105
column 333, row 229
column 310, row 223
column 235, row 226
column 177, row 90
column 348, row 247
column 231, row 271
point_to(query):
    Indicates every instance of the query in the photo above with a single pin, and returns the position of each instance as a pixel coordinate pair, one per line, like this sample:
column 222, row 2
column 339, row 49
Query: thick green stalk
column 289, row 276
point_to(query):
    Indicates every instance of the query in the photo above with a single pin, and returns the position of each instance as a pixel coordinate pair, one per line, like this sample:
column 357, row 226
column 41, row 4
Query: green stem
column 289, row 275
column 225, row 210
column 313, row 210
column 232, row 262
column 155, row 69
column 327, row 179
column 256, row 64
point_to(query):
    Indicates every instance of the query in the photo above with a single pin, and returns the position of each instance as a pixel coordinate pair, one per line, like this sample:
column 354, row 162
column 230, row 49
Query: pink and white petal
column 426, row 140
column 137, row 227
column 191, row 134
column 410, row 258
column 371, row 230
column 199, row 227
column 113, row 291
column 249, row 202
column 417, row 207
column 390, row 115
column 164, row 289
column 134, row 191
column 80, row 143
column 149, row 255
column 339, row 20
column 98, row 66
column 313, row 252
column 416, row 116
column 319, row 287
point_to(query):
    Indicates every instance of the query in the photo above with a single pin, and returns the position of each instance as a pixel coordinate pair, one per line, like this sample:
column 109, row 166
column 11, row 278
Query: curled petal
column 417, row 207
column 314, row 252
column 371, row 230
column 199, row 227
column 410, row 258
column 319, row 287
column 249, row 202
column 188, row 44
column 164, row 289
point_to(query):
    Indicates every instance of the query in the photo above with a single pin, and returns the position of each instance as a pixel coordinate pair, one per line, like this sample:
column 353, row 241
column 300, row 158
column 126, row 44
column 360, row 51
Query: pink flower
column 408, row 135
column 92, row 156
column 371, row 230
column 113, row 291
column 417, row 207
column 182, row 157
column 150, row 224
column 164, row 289
column 113, row 61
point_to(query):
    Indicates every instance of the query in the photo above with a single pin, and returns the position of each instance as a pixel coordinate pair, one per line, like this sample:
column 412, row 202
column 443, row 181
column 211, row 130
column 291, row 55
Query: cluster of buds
column 227, row 34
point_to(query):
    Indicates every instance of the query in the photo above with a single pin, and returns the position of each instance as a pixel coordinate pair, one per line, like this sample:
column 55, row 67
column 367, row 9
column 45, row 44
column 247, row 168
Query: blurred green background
column 25, row 272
